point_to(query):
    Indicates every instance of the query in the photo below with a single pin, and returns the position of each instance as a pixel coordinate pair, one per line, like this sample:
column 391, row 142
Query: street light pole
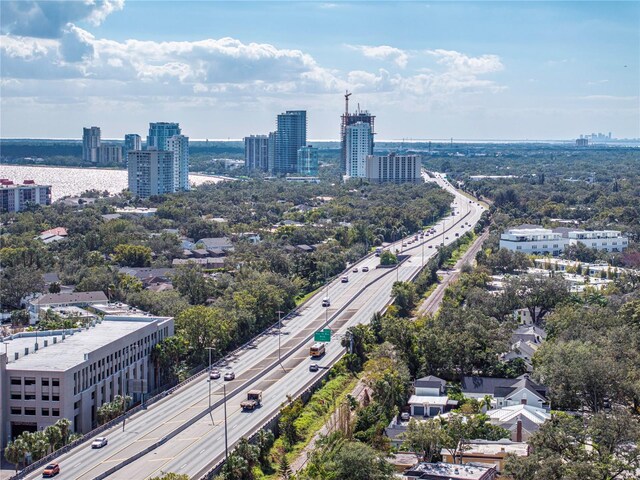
column 210, row 413
column 226, row 441
column 279, row 312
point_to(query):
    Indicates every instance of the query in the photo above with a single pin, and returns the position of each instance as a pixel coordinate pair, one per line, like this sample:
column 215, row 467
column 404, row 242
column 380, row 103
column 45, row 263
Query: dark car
column 314, row 367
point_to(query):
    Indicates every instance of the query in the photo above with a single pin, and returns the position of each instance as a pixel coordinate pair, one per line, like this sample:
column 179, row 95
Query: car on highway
column 51, row 470
column 365, row 269
column 355, row 270
column 404, row 244
column 344, row 279
column 457, row 234
column 326, row 302
column 99, row 442
column 430, row 246
column 229, row 376
column 214, row 374
column 461, row 226
column 446, row 238
column 314, row 367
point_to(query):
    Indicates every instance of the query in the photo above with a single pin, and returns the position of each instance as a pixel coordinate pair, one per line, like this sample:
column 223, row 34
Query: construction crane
column 346, row 102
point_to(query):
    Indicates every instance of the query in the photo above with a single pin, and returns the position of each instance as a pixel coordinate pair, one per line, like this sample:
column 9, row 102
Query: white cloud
column 384, row 52
column 49, row 18
column 463, row 64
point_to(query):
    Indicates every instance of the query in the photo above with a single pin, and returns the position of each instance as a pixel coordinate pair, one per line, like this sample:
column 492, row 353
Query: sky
column 427, row 70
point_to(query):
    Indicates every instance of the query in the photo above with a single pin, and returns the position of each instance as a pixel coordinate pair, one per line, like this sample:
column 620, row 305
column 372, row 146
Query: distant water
column 73, row 181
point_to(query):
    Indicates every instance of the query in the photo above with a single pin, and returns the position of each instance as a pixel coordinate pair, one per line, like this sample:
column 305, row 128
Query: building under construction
column 349, row 119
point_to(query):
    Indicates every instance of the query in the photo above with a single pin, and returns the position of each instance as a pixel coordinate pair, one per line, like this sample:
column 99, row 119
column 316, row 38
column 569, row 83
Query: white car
column 99, row 442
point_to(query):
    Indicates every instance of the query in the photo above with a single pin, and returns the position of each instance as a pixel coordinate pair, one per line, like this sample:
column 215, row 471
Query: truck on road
column 253, row 401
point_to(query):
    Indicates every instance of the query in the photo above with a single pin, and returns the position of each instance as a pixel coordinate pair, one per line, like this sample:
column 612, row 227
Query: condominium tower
column 290, row 136
column 91, row 144
column 393, row 167
column 179, row 146
column 132, row 141
column 348, row 119
column 159, row 132
column 256, row 152
column 308, row 161
column 151, row 172
column 359, row 143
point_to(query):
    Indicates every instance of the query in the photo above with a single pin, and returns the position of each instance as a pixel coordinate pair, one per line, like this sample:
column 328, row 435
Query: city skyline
column 490, row 70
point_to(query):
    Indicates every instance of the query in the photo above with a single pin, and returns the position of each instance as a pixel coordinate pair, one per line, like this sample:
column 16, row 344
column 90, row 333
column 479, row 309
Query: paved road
column 195, row 449
column 432, row 303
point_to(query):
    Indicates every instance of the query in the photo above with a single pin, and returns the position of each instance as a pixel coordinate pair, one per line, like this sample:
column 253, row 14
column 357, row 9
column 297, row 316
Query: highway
column 193, row 442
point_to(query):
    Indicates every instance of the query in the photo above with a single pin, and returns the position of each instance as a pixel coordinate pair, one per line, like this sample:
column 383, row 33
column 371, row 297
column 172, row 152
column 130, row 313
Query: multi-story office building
column 110, row 154
column 160, row 132
column 348, row 119
column 91, row 144
column 533, row 239
column 151, row 172
column 16, row 197
column 132, row 141
column 179, row 145
column 393, row 168
column 256, row 152
column 49, row 375
column 359, row 145
column 308, row 161
column 291, row 135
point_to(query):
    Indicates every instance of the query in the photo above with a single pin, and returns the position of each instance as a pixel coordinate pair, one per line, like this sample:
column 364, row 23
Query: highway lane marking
column 163, row 459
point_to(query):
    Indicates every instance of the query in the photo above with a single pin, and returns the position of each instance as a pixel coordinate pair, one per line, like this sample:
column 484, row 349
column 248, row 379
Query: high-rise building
column 358, row 141
column 179, row 145
column 151, row 172
column 393, row 168
column 256, row 152
column 291, row 135
column 159, row 132
column 109, row 154
column 350, row 119
column 271, row 152
column 308, row 161
column 16, row 197
column 132, row 141
column 91, row 144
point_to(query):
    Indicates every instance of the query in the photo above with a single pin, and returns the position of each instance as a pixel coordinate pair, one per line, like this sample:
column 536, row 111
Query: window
column 16, row 411
column 29, row 396
column 55, row 398
column 55, row 412
column 76, row 405
column 29, row 411
column 16, row 381
column 30, row 381
column 45, row 397
column 45, row 382
column 45, row 412
column 55, row 382
column 16, row 396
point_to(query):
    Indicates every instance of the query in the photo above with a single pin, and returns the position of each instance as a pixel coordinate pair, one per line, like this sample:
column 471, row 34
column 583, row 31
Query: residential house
column 506, row 391
column 521, row 420
column 491, row 454
column 223, row 243
column 429, row 398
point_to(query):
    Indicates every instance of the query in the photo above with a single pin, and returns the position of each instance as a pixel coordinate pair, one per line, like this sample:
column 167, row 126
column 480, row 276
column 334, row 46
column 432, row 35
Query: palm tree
column 54, row 436
column 64, row 424
column 16, row 451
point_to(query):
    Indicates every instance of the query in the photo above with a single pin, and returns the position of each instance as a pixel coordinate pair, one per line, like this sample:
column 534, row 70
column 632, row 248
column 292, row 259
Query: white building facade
column 358, row 148
column 543, row 241
column 179, row 145
column 91, row 144
column 46, row 376
column 256, row 152
column 394, row 167
column 151, row 172
column 601, row 240
column 16, row 197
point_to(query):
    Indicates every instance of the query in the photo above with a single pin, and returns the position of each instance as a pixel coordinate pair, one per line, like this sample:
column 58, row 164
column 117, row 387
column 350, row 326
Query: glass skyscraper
column 290, row 136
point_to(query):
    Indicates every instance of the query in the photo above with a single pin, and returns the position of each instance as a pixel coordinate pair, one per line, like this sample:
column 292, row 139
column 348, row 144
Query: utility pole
column 226, row 441
column 279, row 312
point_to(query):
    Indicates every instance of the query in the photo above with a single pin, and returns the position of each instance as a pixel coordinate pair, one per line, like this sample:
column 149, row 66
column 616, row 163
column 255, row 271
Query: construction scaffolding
column 349, row 119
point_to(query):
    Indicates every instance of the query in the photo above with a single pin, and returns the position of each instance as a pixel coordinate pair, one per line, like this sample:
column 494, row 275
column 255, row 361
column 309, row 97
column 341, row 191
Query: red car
column 51, row 470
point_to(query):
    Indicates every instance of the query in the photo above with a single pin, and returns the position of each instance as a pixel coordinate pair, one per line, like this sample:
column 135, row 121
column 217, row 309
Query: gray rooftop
column 75, row 297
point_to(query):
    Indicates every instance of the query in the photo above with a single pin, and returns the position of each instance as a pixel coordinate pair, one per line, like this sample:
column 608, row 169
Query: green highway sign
column 322, row 335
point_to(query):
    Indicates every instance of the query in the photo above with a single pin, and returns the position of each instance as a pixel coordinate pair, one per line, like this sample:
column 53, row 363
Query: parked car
column 229, row 376
column 214, row 374
column 314, row 367
column 365, row 269
column 99, row 442
column 404, row 416
column 344, row 279
column 51, row 470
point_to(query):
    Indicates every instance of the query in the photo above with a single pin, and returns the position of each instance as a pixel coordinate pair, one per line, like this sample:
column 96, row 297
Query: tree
column 264, row 442
column 204, row 327
column 423, row 438
column 190, row 282
column 18, row 282
column 54, row 436
column 539, row 294
column 132, row 255
column 388, row 258
column 358, row 461
column 171, row 476
column 599, row 447
column 54, row 287
column 16, row 451
column 284, row 469
column 64, row 424
column 406, row 297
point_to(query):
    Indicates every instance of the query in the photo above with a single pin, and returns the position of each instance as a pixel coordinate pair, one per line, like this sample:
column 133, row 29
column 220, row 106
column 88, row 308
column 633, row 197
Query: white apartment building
column 358, row 147
column 256, row 152
column 15, row 197
column 91, row 144
column 151, row 172
column 179, row 145
column 533, row 239
column 54, row 300
column 394, row 167
column 605, row 240
column 45, row 376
